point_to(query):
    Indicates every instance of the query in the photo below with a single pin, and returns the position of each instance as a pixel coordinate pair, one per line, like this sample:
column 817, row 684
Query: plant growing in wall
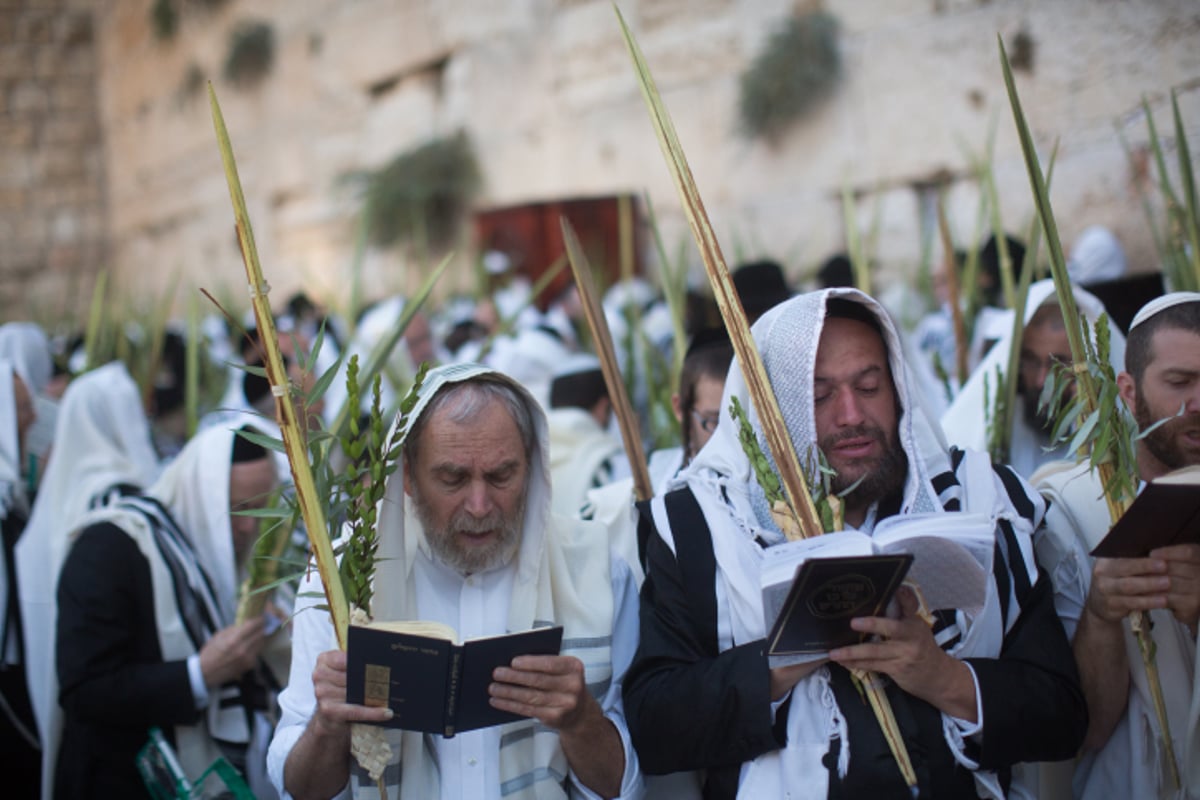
column 251, row 53
column 420, row 196
column 798, row 65
column 164, row 19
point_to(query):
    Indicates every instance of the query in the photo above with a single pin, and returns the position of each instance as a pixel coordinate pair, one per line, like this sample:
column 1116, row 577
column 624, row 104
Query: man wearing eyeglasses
column 1043, row 346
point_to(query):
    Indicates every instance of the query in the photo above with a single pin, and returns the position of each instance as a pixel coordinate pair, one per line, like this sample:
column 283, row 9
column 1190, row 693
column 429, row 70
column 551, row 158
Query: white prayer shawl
column 579, row 448
column 966, row 421
column 195, row 491
column 25, row 346
column 105, row 441
column 1131, row 763
column 722, row 470
column 563, row 576
column 12, row 489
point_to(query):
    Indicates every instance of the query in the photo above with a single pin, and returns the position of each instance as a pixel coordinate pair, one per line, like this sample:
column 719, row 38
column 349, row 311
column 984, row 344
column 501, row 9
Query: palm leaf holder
column 794, row 510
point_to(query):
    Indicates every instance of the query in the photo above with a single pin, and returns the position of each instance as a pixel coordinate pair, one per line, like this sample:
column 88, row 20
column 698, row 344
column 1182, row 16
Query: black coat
column 691, row 706
column 113, row 682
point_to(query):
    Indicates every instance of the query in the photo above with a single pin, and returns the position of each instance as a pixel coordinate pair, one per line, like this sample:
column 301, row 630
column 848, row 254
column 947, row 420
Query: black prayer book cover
column 433, row 685
column 826, row 594
column 1166, row 512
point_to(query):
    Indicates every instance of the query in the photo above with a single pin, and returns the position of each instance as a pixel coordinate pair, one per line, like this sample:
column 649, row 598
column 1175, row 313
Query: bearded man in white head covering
column 146, row 634
column 972, row 695
column 467, row 539
column 1123, row 751
column 1044, row 345
column 18, row 732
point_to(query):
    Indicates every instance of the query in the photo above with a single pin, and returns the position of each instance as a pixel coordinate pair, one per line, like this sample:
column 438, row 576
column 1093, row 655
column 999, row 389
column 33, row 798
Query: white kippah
column 1162, row 304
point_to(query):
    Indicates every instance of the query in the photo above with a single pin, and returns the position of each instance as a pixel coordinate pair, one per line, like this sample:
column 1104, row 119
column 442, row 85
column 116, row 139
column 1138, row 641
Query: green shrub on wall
column 251, row 53
column 422, row 194
column 798, row 65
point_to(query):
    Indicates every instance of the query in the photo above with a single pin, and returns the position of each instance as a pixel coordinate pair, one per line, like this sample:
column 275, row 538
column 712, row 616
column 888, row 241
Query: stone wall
column 547, row 94
column 52, row 221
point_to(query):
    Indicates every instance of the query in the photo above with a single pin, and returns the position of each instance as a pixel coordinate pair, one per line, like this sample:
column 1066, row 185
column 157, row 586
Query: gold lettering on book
column 377, row 686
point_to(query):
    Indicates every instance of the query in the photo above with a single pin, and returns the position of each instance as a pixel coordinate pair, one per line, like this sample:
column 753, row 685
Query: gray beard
column 445, row 548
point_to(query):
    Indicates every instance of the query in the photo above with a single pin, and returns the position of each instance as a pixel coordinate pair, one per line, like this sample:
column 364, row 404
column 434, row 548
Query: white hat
column 1162, row 304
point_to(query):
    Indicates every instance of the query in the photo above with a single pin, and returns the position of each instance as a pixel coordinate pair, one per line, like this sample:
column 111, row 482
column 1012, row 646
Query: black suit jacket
column 113, row 682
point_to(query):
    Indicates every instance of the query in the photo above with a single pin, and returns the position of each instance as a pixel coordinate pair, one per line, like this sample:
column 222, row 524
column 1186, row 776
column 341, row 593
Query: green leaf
column 261, row 439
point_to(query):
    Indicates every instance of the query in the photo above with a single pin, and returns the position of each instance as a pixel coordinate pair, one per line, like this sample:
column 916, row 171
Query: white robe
column 1130, row 764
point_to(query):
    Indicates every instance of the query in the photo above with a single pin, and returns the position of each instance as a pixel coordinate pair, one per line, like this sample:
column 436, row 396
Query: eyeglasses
column 707, row 422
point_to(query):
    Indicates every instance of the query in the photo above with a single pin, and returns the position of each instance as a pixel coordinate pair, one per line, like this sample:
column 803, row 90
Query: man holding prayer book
column 972, row 694
column 1124, row 752
column 467, row 539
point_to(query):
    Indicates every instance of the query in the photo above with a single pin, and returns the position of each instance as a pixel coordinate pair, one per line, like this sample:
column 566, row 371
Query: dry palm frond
column 602, row 337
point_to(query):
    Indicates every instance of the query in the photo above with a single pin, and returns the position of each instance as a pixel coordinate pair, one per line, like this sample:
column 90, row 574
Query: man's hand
column 553, row 690
column 231, row 652
column 550, row 688
column 333, row 715
column 319, row 764
column 1124, row 585
column 907, row 653
column 1183, row 570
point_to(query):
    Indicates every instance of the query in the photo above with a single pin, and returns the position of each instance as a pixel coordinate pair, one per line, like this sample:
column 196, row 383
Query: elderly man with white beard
column 467, row 539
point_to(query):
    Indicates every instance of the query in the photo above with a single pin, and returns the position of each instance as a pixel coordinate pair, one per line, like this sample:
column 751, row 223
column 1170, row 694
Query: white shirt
column 477, row 605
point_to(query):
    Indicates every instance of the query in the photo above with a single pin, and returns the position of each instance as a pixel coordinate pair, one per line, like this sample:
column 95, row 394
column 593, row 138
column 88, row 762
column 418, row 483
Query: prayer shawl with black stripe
column 739, row 518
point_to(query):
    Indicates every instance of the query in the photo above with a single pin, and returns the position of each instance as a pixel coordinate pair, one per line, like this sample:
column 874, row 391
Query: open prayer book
column 812, row 588
column 1166, row 512
column 433, row 683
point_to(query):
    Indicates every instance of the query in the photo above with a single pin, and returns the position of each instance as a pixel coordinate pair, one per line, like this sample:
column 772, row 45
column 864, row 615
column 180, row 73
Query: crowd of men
column 511, row 508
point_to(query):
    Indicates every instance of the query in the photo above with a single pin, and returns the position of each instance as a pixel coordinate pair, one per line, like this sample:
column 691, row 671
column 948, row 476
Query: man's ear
column 677, row 407
column 1128, row 390
column 404, row 467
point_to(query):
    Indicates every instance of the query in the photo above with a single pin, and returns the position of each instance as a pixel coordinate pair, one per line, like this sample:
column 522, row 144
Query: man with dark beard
column 1123, row 749
column 972, row 696
column 467, row 539
column 1043, row 346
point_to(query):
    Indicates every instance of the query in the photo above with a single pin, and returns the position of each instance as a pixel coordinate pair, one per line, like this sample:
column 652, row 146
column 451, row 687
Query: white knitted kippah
column 1162, row 304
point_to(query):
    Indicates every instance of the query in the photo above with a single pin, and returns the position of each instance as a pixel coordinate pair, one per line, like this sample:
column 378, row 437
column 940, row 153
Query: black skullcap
column 707, row 337
column 760, row 285
column 245, row 450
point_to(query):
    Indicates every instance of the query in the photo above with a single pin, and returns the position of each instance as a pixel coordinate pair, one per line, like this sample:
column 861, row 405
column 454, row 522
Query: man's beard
column 444, row 543
column 1163, row 441
column 876, row 477
column 1039, row 419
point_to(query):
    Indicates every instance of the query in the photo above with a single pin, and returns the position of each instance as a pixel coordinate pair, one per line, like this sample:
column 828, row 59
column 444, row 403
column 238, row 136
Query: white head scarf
column 965, row 422
column 25, row 346
column 400, row 534
column 786, row 337
column 105, row 441
column 1096, row 256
